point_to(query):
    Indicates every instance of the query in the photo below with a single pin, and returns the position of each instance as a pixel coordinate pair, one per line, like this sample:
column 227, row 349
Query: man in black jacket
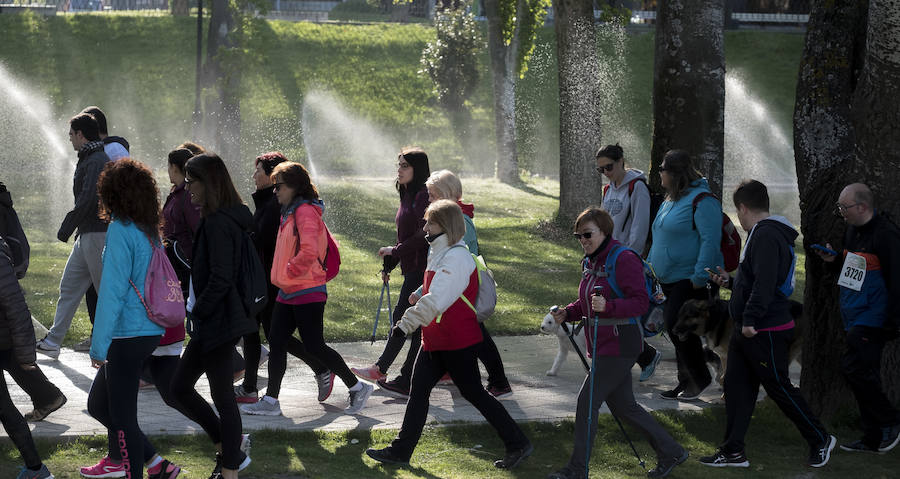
column 764, row 328
column 84, row 264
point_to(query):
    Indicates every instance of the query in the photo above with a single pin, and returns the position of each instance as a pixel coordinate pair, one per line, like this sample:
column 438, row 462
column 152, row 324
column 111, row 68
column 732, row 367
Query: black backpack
column 251, row 281
column 13, row 235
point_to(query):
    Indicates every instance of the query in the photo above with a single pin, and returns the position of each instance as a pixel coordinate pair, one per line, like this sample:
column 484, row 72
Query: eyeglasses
column 841, row 208
column 402, row 166
column 609, row 167
column 663, row 168
column 277, row 186
column 585, row 235
column 188, row 181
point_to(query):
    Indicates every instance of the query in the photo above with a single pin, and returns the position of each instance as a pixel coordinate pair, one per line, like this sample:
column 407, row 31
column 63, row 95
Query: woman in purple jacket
column 619, row 343
column 180, row 218
column 411, row 253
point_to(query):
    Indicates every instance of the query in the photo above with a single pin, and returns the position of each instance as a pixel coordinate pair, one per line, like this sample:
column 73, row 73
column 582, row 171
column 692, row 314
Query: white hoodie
column 630, row 213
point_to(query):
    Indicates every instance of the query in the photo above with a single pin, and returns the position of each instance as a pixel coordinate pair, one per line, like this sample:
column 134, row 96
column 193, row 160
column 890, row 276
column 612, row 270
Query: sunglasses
column 609, row 167
column 188, row 181
column 277, row 186
column 585, row 235
column 662, row 168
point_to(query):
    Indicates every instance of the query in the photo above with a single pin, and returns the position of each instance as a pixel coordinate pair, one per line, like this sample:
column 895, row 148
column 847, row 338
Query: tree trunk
column 579, row 108
column 689, row 85
column 824, row 155
column 222, row 68
column 503, row 70
column 180, row 7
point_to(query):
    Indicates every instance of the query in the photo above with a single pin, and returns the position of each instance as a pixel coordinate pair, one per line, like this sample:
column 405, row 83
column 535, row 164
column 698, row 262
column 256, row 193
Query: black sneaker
column 890, row 436
column 39, row 413
column 859, row 446
column 567, row 473
column 664, row 467
column 386, row 456
column 397, row 386
column 819, row 455
column 514, row 457
column 673, row 393
column 725, row 459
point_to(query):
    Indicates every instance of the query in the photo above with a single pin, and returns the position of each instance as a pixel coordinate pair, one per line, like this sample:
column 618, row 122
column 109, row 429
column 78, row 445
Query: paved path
column 536, row 396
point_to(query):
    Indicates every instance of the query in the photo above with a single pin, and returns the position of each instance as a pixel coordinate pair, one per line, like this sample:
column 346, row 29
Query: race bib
column 853, row 273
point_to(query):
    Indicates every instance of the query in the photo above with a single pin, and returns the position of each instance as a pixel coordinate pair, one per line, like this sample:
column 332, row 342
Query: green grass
column 775, row 450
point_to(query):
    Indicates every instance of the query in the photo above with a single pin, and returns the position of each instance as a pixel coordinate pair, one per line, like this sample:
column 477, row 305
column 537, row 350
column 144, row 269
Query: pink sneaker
column 371, row 373
column 446, row 380
column 104, row 468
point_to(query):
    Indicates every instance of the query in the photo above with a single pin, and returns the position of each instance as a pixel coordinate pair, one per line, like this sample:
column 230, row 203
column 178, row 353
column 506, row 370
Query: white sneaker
column 47, row 349
column 245, row 444
column 358, row 398
column 262, row 408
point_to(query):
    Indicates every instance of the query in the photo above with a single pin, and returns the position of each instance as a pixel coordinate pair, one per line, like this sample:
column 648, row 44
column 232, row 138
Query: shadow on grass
column 531, row 190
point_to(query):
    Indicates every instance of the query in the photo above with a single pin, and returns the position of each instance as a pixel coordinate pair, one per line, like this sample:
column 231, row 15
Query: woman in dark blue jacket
column 216, row 316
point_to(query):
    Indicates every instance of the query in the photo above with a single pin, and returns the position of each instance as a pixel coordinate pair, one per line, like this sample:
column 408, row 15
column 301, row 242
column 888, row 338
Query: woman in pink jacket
column 299, row 273
column 619, row 342
column 451, row 339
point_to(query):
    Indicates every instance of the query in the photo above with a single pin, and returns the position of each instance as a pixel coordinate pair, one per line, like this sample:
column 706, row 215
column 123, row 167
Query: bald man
column 869, row 280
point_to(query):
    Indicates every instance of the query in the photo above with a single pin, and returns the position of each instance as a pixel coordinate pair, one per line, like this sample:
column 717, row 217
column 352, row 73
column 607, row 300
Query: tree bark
column 824, row 153
column 225, row 111
column 503, row 70
column 180, row 7
column 579, row 108
column 689, row 86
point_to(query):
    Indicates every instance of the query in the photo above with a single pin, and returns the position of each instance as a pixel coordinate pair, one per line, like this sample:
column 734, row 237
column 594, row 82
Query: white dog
column 549, row 326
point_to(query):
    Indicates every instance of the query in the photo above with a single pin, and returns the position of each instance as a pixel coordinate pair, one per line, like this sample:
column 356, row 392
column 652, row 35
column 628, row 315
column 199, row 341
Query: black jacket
column 16, row 330
column 218, row 314
column 755, row 299
column 266, row 220
column 84, row 216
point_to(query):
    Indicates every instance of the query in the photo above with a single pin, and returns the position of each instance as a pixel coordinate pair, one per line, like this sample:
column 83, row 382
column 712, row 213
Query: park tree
column 579, row 106
column 689, row 86
column 512, row 28
column 845, row 117
column 222, row 72
column 180, row 7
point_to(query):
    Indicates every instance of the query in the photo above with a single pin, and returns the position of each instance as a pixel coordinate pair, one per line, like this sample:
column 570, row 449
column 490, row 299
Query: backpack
column 13, row 235
column 652, row 321
column 787, row 288
column 731, row 239
column 332, row 261
column 163, row 298
column 656, row 200
column 486, row 300
column 251, row 281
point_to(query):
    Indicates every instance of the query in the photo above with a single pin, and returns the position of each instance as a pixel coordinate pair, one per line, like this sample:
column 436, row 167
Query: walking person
column 84, row 266
column 444, row 185
column 758, row 351
column 869, row 280
column 266, row 220
column 619, row 342
column 627, row 199
column 216, row 315
column 124, row 336
column 450, row 341
column 410, row 253
column 298, row 271
column 16, row 351
column 686, row 241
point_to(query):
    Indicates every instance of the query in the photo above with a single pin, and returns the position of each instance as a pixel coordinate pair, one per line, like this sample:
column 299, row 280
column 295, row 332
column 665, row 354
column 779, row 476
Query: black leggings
column 689, row 355
column 490, row 357
column 253, row 346
column 216, row 363
column 411, row 282
column 33, row 381
column 308, row 320
column 113, row 399
column 14, row 423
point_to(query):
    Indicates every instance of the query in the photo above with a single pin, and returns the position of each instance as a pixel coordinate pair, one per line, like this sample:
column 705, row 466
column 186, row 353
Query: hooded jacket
column 765, row 265
column 16, row 330
column 181, row 218
column 266, row 220
column 84, row 216
column 685, row 242
column 300, row 250
column 411, row 251
column 630, row 212
column 218, row 314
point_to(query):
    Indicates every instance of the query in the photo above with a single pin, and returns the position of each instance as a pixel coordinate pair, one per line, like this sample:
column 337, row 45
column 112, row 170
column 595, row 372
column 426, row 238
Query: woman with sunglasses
column 686, row 241
column 627, row 200
column 618, row 345
column 216, row 315
column 410, row 252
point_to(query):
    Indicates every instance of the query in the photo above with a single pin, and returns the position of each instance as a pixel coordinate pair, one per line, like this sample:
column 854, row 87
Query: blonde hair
column 447, row 215
column 446, row 184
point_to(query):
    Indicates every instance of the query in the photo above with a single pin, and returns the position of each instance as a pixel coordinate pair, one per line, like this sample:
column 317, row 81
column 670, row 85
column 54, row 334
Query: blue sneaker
column 43, row 473
column 647, row 372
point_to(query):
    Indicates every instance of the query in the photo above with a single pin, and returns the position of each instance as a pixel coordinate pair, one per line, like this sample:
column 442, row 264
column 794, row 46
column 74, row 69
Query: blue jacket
column 681, row 251
column 120, row 313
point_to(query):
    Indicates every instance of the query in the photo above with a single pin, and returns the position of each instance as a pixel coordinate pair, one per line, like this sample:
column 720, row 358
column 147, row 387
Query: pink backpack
column 332, row 262
column 164, row 300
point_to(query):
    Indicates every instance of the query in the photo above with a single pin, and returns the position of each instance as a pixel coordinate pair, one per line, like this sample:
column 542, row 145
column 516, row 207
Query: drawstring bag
column 164, row 299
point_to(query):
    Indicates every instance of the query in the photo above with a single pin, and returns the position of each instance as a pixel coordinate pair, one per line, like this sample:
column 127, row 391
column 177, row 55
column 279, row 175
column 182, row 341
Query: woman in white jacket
column 451, row 339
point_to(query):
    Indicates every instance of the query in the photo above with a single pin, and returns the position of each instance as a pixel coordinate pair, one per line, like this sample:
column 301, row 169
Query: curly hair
column 128, row 192
column 269, row 161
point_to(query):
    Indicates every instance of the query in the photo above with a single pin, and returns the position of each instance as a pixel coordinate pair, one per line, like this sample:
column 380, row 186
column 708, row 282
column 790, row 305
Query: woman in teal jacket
column 124, row 337
column 685, row 242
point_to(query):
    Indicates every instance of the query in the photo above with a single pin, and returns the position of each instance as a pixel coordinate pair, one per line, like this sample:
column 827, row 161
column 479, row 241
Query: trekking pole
column 387, row 286
column 571, row 335
column 378, row 311
column 587, row 459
